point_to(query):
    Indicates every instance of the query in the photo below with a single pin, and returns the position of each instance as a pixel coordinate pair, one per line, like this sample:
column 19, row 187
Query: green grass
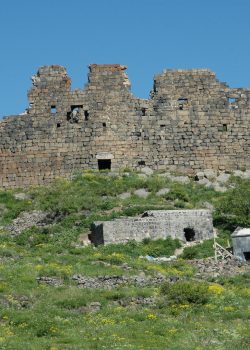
column 42, row 317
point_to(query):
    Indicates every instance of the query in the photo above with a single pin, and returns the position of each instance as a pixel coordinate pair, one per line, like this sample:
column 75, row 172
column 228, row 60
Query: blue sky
column 145, row 35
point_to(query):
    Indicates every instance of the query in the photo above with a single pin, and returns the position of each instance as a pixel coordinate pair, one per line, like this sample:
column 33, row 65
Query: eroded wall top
column 191, row 122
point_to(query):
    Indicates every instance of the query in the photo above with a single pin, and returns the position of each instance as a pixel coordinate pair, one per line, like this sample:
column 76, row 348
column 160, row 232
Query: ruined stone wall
column 191, row 122
column 154, row 225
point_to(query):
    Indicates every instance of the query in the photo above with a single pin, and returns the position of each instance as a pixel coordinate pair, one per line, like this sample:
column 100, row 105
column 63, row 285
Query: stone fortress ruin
column 191, row 122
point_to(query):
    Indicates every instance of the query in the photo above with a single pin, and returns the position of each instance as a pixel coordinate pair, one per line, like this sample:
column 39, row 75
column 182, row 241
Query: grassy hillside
column 59, row 313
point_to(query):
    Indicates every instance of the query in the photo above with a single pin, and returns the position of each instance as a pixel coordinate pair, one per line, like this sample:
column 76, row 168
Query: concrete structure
column 186, row 225
column 241, row 243
column 191, row 122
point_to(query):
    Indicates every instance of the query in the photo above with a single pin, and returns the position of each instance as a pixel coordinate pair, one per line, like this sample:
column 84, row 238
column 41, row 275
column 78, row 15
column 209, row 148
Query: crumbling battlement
column 191, row 122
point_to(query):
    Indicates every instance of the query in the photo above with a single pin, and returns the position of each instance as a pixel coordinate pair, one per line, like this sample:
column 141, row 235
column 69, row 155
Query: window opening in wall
column 74, row 115
column 77, row 107
column 247, row 255
column 86, row 115
column 231, row 99
column 162, row 125
column 182, row 102
column 143, row 111
column 141, row 162
column 136, row 133
column 189, row 234
column 104, row 125
column 104, row 164
column 53, row 109
column 58, row 125
column 222, row 128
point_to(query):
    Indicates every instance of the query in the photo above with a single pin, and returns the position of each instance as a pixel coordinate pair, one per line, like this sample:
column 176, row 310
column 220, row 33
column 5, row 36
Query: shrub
column 200, row 251
column 160, row 247
column 183, row 292
column 234, row 207
column 177, row 193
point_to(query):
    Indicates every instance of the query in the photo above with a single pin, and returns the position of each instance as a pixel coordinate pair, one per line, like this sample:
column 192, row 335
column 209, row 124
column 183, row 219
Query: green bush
column 177, row 193
column 160, row 247
column 183, row 292
column 200, row 251
column 233, row 208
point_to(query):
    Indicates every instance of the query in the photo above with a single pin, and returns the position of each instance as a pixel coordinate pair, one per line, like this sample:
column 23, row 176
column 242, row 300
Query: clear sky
column 145, row 35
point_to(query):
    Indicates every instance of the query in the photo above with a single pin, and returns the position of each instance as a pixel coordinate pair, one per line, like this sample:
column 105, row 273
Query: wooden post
column 215, row 250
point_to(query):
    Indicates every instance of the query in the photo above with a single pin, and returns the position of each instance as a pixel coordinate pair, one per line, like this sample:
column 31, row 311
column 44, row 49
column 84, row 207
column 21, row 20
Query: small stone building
column 186, row 225
column 241, row 243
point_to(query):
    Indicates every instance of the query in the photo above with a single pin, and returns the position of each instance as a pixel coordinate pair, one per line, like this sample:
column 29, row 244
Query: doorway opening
column 247, row 255
column 189, row 234
column 104, row 164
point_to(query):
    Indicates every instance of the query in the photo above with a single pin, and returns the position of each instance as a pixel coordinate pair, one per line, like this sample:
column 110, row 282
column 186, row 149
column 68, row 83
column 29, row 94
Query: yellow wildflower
column 216, row 289
column 229, row 308
column 151, row 317
column 172, row 330
column 53, row 329
column 107, row 321
column 39, row 267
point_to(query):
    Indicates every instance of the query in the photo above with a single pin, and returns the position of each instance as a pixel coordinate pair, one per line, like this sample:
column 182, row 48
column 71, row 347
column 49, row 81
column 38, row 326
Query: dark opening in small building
column 143, row 111
column 58, row 125
column 141, row 162
column 53, row 109
column 189, row 234
column 104, row 164
column 104, row 125
column 86, row 115
column 247, row 255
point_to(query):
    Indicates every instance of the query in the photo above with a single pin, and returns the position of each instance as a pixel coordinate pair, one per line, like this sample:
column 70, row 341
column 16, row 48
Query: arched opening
column 189, row 234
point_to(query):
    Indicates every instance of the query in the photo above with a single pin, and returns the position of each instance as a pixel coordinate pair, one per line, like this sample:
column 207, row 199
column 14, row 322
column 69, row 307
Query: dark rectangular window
column 86, row 115
column 104, row 164
column 76, row 107
column 222, row 128
column 141, row 162
column 53, row 109
column 182, row 102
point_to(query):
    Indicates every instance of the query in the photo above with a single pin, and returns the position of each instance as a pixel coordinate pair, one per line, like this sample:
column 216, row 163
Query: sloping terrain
column 57, row 293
